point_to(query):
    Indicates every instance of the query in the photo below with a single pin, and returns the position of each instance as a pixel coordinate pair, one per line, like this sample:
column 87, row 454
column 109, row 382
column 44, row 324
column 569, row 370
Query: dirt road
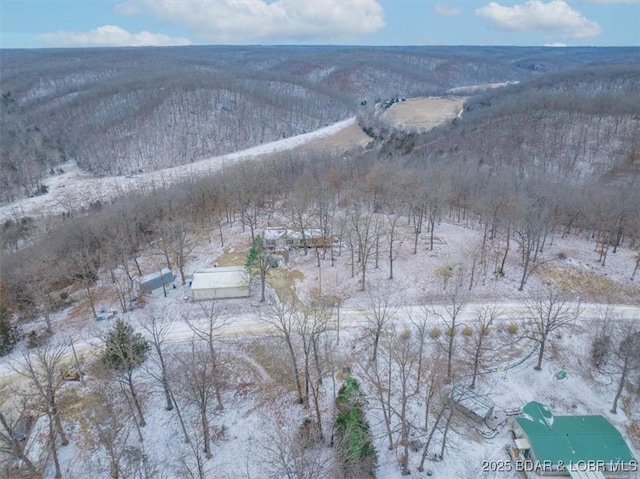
column 250, row 324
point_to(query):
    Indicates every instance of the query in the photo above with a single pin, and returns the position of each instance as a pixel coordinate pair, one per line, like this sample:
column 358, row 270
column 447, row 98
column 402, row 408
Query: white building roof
column 223, row 277
column 274, row 233
column 308, row 234
column 277, row 233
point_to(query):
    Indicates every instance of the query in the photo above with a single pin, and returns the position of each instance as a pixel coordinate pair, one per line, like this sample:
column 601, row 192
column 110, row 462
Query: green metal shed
column 574, row 442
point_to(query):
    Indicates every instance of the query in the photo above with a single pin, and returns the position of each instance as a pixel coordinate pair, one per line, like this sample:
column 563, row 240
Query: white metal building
column 220, row 283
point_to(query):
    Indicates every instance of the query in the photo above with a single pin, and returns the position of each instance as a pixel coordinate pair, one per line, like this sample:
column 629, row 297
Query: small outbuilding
column 156, row 281
column 279, row 238
column 220, row 283
column 474, row 405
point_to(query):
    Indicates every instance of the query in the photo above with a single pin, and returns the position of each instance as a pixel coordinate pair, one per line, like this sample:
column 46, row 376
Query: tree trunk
column 446, row 431
column 426, row 446
column 538, row 366
column 90, row 298
column 432, row 227
column 54, row 449
column 75, row 357
column 473, row 272
column 16, row 447
column 296, row 373
column 216, row 391
column 167, row 392
column 405, row 442
column 420, row 354
column 506, row 251
column 450, row 348
column 114, row 469
column 376, row 340
column 205, row 430
column 623, row 378
column 387, row 407
column 136, row 402
column 525, row 269
column 63, row 437
column 181, row 269
column 476, row 365
column 635, row 269
column 187, row 440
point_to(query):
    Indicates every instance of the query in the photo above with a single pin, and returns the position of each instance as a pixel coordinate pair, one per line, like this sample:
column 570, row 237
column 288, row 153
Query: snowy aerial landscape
column 419, row 269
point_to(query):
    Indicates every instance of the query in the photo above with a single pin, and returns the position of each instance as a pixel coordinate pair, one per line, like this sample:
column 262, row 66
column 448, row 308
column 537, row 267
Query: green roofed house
column 582, row 447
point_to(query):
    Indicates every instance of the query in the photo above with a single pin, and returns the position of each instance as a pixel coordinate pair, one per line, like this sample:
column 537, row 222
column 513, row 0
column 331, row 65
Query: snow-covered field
column 423, row 114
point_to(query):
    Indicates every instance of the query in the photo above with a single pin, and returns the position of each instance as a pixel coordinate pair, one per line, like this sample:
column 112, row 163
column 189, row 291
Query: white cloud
column 554, row 18
column 247, row 21
column 446, row 10
column 109, row 36
column 555, row 44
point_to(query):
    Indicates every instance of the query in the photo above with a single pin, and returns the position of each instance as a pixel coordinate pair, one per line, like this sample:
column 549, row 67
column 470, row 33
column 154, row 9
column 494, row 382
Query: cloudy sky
column 80, row 23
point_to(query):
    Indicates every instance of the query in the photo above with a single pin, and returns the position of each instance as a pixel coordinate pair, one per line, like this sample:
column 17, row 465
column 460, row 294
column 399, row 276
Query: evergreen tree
column 9, row 335
column 258, row 260
column 124, row 349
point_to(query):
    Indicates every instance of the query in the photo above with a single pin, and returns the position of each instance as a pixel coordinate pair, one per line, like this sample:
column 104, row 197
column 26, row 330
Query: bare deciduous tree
column 110, row 432
column 11, row 444
column 402, row 350
column 625, row 355
column 282, row 318
column 364, row 231
column 195, row 377
column 286, row 454
column 479, row 346
column 156, row 325
column 207, row 324
column 549, row 311
column 452, row 309
column 384, row 301
column 177, row 241
column 44, row 371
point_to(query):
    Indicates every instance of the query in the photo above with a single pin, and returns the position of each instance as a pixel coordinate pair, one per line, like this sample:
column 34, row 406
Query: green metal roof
column 572, row 438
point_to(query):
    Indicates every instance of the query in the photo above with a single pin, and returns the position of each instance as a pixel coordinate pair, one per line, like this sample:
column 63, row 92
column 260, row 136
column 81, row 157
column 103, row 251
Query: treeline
column 27, row 154
column 569, row 126
column 596, row 89
column 360, row 199
column 117, row 111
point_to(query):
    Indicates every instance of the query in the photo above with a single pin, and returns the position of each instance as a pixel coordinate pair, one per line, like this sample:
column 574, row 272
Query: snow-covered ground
column 260, row 409
column 75, row 189
column 254, row 403
column 471, row 89
column 423, row 114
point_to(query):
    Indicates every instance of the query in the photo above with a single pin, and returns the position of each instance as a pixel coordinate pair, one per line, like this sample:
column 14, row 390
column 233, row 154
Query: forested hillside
column 118, row 111
column 576, row 125
column 505, row 240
